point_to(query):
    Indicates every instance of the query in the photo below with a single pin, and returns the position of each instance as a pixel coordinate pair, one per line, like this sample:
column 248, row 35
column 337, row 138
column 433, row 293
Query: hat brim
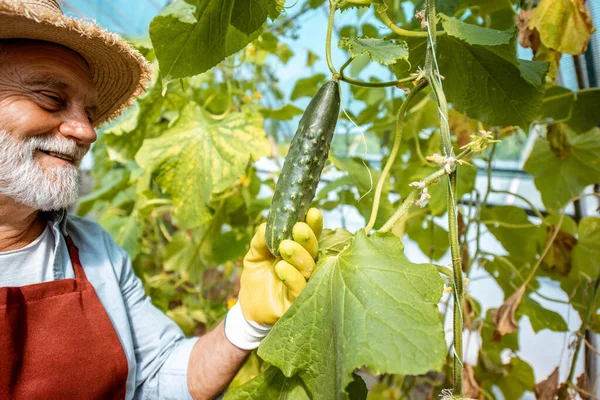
column 120, row 73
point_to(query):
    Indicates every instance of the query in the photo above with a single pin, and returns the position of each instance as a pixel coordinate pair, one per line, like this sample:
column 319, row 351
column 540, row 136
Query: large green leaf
column 476, row 35
column 284, row 113
column 365, row 179
column 576, row 109
column 125, row 138
column 513, row 229
column 182, row 254
column 484, row 6
column 431, row 238
column 113, row 182
column 416, row 57
column 510, row 272
column 518, row 379
column 439, row 192
column 196, row 158
column 540, row 317
column 270, row 385
column 586, row 253
column 130, row 234
column 307, row 86
column 333, row 242
column 249, row 15
column 367, row 306
column 483, row 77
column 192, row 36
column 560, row 179
column 383, row 51
column 424, row 114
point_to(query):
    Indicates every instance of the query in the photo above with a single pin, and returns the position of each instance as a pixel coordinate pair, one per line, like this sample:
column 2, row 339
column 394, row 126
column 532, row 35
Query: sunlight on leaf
column 367, row 306
column 564, row 25
column 383, row 51
column 216, row 155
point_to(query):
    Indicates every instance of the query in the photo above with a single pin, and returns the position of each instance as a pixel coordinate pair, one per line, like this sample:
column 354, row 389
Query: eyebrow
column 46, row 82
column 50, row 82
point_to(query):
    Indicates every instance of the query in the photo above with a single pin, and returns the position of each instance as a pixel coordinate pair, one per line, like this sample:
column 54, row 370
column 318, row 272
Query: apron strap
column 74, row 255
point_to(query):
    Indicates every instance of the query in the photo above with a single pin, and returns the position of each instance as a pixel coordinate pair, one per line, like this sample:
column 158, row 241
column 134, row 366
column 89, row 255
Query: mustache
column 56, row 144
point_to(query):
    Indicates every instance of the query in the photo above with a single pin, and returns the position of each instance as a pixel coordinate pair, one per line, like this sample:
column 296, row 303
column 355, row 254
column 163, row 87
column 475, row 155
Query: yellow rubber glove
column 269, row 284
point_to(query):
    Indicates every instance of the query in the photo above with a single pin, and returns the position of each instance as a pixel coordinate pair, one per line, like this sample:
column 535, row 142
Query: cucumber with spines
column 303, row 165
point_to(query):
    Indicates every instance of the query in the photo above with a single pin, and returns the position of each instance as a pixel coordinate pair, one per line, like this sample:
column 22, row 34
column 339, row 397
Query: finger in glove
column 291, row 277
column 258, row 245
column 298, row 256
column 304, row 235
column 314, row 219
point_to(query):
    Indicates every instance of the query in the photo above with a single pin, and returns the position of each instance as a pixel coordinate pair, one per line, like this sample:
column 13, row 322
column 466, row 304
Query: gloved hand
column 269, row 284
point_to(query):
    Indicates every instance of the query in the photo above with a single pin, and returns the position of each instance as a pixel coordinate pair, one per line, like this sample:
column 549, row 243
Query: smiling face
column 47, row 99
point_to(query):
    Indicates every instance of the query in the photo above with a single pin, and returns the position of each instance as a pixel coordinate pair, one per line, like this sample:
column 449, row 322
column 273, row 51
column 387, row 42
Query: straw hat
column 118, row 70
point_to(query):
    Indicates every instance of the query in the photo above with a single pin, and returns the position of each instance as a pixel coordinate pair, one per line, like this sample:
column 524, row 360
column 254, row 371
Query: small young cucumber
column 303, row 165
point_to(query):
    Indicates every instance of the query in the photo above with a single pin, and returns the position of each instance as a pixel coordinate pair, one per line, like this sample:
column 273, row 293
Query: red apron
column 57, row 342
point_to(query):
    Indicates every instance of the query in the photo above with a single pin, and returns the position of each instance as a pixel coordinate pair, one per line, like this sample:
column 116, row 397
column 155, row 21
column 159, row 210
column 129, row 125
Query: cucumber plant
column 303, row 165
column 176, row 184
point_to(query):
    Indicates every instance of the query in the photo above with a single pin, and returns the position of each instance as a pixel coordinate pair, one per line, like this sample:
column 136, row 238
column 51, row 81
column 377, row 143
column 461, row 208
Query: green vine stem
column 482, row 206
column 345, row 65
column 581, row 333
column 434, row 78
column 382, row 12
column 355, row 82
column 410, row 200
column 526, row 201
column 333, row 6
column 394, row 152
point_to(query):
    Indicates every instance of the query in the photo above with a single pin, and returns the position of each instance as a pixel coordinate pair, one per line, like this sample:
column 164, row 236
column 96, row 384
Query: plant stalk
column 332, row 8
column 355, row 82
column 434, row 78
column 563, row 391
column 382, row 12
column 398, row 82
column 394, row 152
column 412, row 197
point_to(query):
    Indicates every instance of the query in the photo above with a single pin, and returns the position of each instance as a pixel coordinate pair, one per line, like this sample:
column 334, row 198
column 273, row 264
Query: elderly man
column 74, row 320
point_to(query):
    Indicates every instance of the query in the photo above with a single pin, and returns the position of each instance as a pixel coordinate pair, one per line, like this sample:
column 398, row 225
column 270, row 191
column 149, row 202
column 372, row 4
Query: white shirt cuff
column 242, row 333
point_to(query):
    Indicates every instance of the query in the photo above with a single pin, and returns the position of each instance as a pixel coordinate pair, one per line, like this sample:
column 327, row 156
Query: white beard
column 27, row 182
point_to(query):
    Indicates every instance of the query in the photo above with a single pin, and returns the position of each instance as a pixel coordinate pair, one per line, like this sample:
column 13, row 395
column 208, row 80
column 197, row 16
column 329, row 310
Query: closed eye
column 50, row 101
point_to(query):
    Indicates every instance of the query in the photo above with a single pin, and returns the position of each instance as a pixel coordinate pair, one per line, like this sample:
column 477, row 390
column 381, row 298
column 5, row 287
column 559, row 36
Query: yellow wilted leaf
column 564, row 25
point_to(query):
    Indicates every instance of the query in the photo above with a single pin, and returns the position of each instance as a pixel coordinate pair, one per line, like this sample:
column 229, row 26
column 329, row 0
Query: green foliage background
column 176, row 183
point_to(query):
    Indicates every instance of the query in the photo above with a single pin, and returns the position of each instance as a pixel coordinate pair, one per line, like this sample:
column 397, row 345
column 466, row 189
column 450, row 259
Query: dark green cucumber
column 303, row 165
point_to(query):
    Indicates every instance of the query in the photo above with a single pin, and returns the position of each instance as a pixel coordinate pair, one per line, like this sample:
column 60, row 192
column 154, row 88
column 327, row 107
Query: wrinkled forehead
column 24, row 51
column 31, row 58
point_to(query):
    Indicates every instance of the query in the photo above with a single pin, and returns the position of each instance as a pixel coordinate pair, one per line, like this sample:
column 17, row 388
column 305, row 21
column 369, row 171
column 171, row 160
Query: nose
column 77, row 126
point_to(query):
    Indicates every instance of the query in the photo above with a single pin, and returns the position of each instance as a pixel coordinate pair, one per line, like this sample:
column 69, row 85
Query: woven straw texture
column 120, row 72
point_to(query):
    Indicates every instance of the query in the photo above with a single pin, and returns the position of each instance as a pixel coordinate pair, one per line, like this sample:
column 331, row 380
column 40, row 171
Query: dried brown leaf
column 528, row 37
column 505, row 316
column 471, row 387
column 583, row 385
column 559, row 257
column 547, row 389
